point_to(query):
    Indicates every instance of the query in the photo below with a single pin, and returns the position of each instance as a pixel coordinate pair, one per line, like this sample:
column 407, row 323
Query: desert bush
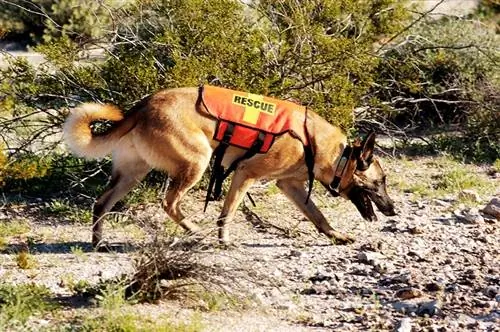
column 316, row 53
column 43, row 20
column 20, row 302
column 444, row 75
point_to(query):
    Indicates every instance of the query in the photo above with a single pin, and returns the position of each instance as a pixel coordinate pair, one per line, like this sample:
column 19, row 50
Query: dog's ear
column 368, row 146
column 364, row 151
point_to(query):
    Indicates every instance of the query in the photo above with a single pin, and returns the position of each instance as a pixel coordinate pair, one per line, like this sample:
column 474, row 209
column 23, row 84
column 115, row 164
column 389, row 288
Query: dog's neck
column 329, row 143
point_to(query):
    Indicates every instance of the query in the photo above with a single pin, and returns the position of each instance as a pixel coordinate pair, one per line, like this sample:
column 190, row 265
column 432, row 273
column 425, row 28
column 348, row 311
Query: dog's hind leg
column 127, row 172
column 296, row 192
column 240, row 184
column 179, row 185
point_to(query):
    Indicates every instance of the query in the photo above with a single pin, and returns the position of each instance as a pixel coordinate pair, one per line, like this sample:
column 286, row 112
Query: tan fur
column 166, row 131
column 78, row 135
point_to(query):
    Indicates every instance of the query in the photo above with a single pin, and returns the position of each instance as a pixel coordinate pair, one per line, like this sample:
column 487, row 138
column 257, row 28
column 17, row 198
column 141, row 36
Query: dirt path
column 427, row 269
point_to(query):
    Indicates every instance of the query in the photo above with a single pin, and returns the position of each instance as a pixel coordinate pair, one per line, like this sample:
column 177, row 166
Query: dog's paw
column 341, row 239
column 226, row 245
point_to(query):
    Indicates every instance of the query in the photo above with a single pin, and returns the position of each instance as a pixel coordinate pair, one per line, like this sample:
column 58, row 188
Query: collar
column 334, row 186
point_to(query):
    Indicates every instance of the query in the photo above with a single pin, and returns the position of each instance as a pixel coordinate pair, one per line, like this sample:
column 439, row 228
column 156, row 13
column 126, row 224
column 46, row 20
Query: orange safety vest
column 252, row 114
column 251, row 122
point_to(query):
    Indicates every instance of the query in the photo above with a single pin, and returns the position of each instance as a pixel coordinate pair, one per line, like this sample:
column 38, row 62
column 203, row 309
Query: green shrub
column 445, row 74
column 319, row 54
column 39, row 20
column 20, row 302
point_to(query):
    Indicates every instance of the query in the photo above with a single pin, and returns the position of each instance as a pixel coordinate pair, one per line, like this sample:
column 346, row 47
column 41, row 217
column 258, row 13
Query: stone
column 286, row 306
column 319, row 277
column 316, row 289
column 383, row 267
column 295, row 253
column 430, row 308
column 441, row 203
column 405, row 307
column 493, row 208
column 471, row 216
column 414, row 230
column 370, row 257
column 491, row 291
column 469, row 195
column 434, row 286
column 408, row 293
column 404, row 278
column 277, row 273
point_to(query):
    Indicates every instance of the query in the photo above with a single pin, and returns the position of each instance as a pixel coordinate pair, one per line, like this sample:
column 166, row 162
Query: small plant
column 19, row 302
column 24, row 260
column 79, row 287
column 64, row 209
column 13, row 227
column 496, row 165
column 112, row 297
column 130, row 322
column 458, row 179
column 78, row 252
column 217, row 301
column 420, row 189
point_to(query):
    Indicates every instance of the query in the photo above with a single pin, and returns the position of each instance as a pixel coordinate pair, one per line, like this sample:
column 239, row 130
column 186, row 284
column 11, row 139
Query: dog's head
column 364, row 181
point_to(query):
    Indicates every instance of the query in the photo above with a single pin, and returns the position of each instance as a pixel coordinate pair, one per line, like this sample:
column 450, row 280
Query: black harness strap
column 342, row 165
column 217, row 176
column 309, row 158
column 254, row 149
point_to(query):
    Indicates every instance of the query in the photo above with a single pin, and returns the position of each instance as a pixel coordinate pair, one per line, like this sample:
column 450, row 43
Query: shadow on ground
column 67, row 247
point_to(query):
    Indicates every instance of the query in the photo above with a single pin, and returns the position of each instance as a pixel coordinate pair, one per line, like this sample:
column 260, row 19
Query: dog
column 171, row 130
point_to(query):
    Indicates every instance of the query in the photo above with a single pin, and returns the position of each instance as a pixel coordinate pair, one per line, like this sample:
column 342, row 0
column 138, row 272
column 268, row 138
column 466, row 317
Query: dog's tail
column 78, row 134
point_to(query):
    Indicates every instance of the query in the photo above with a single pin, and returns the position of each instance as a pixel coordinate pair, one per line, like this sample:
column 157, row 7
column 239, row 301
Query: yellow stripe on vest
column 254, row 105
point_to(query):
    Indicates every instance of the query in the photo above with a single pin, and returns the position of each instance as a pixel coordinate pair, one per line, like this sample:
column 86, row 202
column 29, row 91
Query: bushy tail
column 78, row 135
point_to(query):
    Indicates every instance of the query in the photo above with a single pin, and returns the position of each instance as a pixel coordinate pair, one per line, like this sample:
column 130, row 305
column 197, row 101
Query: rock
column 408, row 293
column 434, row 286
column 316, row 289
column 418, row 254
column 430, row 308
column 405, row 307
column 493, row 208
column 277, row 273
column 414, row 230
column 383, row 267
column 447, row 219
column 472, row 274
column 404, row 278
column 471, row 216
column 370, row 257
column 319, row 277
column 295, row 253
column 404, row 325
column 492, row 291
column 286, row 306
column 469, row 195
column 441, row 203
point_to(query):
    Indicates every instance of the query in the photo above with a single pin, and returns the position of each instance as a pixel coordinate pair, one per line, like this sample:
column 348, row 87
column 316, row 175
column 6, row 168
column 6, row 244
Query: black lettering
column 250, row 102
column 237, row 99
column 257, row 104
column 271, row 108
column 243, row 101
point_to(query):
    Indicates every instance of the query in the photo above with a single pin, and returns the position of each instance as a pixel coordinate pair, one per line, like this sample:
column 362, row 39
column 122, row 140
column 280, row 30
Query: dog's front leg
column 296, row 192
column 240, row 184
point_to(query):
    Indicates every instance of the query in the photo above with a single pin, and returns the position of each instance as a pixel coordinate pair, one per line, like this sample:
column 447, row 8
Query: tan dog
column 168, row 131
